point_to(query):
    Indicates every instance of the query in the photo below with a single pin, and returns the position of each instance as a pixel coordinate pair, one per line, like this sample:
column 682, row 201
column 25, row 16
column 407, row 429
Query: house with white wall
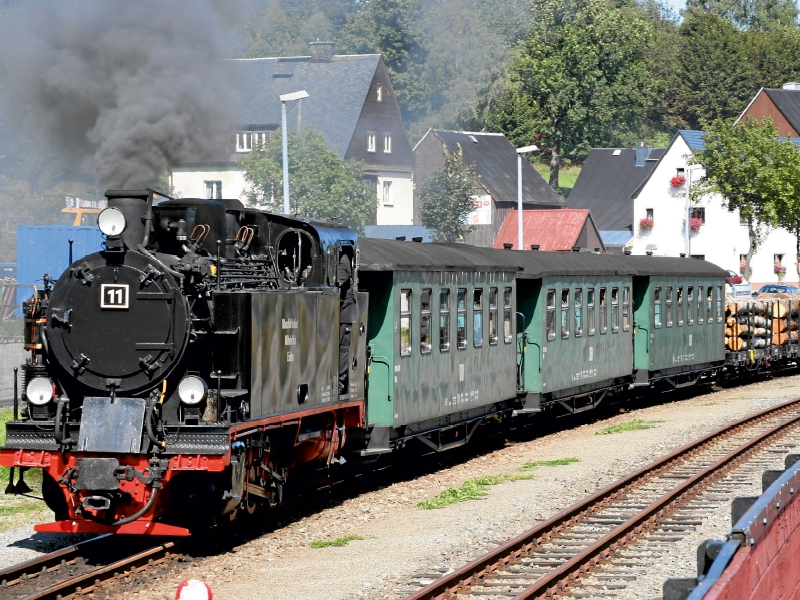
column 350, row 101
column 721, row 238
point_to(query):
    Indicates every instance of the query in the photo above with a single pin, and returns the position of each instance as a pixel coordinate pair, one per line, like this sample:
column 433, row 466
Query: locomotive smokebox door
column 117, row 318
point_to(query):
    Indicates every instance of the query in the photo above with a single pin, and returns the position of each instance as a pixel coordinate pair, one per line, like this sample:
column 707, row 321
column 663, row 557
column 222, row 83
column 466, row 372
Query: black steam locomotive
column 187, row 366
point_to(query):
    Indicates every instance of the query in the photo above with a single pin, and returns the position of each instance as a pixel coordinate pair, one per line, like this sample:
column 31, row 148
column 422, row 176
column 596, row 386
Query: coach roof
column 389, row 255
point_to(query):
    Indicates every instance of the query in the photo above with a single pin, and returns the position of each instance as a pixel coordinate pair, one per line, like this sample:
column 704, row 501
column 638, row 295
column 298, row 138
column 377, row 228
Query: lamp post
column 687, row 216
column 284, row 99
column 520, row 152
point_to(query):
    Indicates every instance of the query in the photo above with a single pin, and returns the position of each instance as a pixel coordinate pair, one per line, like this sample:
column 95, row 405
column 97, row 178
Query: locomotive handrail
column 647, row 337
column 385, row 361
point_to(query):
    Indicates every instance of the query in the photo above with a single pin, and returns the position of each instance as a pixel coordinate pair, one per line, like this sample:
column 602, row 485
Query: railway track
column 83, row 568
column 599, row 546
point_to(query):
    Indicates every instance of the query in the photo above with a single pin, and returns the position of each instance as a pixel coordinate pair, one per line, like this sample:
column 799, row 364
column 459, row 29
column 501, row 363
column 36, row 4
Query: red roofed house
column 558, row 230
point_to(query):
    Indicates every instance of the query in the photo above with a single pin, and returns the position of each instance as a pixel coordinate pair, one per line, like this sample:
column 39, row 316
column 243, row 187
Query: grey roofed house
column 606, row 184
column 495, row 160
column 781, row 105
column 350, row 101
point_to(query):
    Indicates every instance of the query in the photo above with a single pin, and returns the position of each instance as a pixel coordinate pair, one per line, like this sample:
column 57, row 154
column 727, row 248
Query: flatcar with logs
column 209, row 350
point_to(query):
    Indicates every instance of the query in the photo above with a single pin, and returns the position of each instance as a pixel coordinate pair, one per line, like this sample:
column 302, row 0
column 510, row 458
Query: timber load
column 767, row 320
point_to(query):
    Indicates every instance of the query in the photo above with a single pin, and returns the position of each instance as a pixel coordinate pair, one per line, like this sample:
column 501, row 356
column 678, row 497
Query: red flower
column 677, row 181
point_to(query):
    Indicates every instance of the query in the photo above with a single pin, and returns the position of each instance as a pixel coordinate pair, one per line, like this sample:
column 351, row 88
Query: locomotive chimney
column 137, row 206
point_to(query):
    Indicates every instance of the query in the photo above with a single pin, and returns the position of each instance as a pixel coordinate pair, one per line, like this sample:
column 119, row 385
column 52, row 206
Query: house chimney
column 507, row 246
column 322, row 50
column 791, row 85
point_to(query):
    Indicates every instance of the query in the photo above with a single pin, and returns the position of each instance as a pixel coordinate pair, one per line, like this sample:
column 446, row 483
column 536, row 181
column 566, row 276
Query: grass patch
column 709, row 404
column 32, row 476
column 786, row 387
column 633, row 425
column 472, row 489
column 23, row 507
column 567, row 175
column 559, row 462
column 338, row 542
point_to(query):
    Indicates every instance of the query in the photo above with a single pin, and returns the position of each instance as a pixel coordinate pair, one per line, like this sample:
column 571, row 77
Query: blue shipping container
column 45, row 249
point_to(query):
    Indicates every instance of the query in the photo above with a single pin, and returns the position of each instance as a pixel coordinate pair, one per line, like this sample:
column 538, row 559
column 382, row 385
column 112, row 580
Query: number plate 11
column 114, row 295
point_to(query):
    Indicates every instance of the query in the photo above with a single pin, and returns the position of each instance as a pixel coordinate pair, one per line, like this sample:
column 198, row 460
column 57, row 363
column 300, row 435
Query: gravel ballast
column 403, row 543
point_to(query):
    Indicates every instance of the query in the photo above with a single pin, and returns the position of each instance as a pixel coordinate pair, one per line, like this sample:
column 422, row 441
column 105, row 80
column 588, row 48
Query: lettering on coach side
column 289, row 340
column 288, row 323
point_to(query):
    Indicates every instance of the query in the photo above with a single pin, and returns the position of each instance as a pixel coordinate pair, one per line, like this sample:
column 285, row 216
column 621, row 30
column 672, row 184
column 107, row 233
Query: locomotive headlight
column 192, row 390
column 111, row 221
column 39, row 391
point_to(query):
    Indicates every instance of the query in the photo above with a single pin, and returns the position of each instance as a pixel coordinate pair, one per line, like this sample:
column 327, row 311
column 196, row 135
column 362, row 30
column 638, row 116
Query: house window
column 680, row 172
column 461, row 318
column 405, row 322
column 648, row 213
column 244, row 141
column 387, row 193
column 425, row 322
column 370, row 141
column 551, row 314
column 742, row 219
column 507, row 335
column 590, row 311
column 213, row 190
column 578, row 312
column 564, row 313
column 387, row 143
column 477, row 317
column 444, row 320
column 699, row 212
column 379, row 92
column 261, row 138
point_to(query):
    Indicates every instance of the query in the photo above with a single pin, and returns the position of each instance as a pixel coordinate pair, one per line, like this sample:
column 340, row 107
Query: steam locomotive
column 183, row 372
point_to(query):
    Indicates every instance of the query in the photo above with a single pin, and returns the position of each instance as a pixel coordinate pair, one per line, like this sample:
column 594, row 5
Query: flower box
column 646, row 224
column 677, row 181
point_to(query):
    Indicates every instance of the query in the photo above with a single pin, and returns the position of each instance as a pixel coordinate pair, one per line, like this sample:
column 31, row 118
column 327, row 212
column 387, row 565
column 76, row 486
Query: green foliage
column 755, row 173
column 580, row 79
column 337, row 543
column 321, row 185
column 472, row 489
column 749, row 14
column 558, row 462
column 633, row 425
column 446, row 198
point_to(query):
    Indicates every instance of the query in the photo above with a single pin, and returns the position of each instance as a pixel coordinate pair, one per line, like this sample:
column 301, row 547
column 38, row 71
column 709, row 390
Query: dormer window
column 387, row 143
column 244, row 141
column 379, row 92
column 370, row 141
column 260, row 139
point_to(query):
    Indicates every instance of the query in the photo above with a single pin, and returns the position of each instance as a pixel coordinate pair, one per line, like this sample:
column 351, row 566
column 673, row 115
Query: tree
column 322, row 185
column 581, row 76
column 447, row 198
column 755, row 173
column 749, row 14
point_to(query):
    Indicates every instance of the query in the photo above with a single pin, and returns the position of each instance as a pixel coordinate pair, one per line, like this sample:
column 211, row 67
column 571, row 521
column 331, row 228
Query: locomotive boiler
column 182, row 371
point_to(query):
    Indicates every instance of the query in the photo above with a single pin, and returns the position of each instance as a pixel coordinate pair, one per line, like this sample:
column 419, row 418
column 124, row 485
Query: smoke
column 132, row 86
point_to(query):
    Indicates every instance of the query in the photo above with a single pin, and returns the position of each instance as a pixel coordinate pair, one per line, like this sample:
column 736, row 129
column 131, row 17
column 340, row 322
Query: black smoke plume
column 132, row 85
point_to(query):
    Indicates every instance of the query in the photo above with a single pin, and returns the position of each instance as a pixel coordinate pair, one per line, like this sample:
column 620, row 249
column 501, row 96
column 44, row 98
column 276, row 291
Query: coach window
column 461, row 319
column 590, row 311
column 603, row 313
column 690, row 305
column 564, row 313
column 679, row 305
column 477, row 317
column 719, row 304
column 668, row 307
column 551, row 314
column 614, row 310
column 578, row 312
column 425, row 321
column 493, row 316
column 709, row 301
column 444, row 320
column 508, row 336
column 699, row 304
column 405, row 322
column 626, row 308
column 657, row 307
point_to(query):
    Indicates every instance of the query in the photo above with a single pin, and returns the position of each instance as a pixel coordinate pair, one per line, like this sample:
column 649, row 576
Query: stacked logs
column 751, row 324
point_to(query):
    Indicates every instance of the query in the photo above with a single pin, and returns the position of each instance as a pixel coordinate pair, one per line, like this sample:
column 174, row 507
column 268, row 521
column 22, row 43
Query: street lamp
column 686, row 241
column 520, row 152
column 284, row 99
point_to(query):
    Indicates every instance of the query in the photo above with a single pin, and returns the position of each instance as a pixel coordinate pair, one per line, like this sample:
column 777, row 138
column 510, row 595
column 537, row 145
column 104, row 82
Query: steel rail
column 471, row 573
